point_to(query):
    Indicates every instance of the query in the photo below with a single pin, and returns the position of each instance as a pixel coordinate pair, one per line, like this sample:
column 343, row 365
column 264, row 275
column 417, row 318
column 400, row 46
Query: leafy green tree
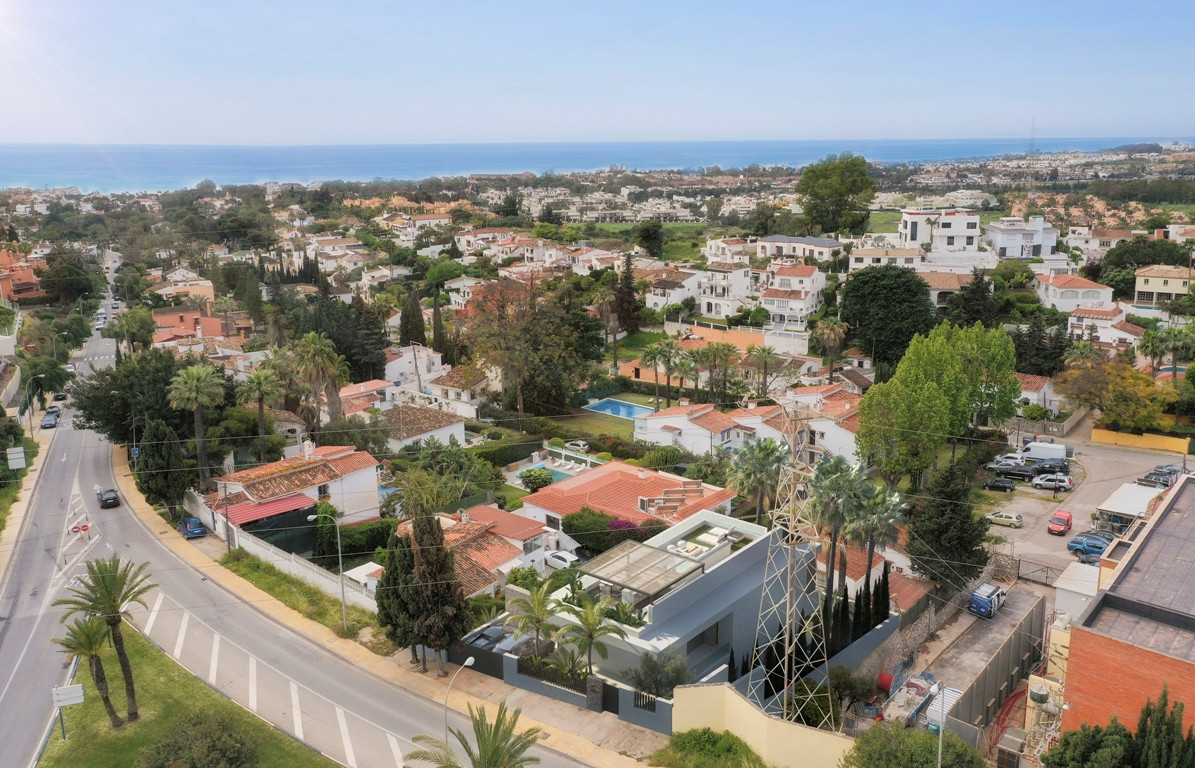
column 886, row 307
column 1140, row 252
column 194, row 388
column 892, row 745
column 202, row 740
column 1127, row 399
column 112, row 400
column 87, row 639
column 659, row 675
column 973, row 304
column 498, row 745
column 589, row 625
column 901, row 428
column 364, row 434
column 161, row 472
column 525, row 577
column 534, row 479
column 755, row 472
column 835, row 193
column 109, row 588
column 509, row 207
column 395, row 594
column 650, row 237
column 946, row 538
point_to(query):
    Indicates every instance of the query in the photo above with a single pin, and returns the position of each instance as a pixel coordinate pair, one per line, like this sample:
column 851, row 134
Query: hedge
column 500, row 454
column 366, row 537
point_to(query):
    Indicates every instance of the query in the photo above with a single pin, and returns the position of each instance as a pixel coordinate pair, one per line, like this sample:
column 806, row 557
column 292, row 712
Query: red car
column 1060, row 523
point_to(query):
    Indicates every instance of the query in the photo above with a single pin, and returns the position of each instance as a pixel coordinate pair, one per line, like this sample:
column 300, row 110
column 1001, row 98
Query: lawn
column 883, row 221
column 596, row 424
column 635, row 342
column 510, row 493
column 167, row 695
column 304, row 598
column 9, row 493
column 634, row 397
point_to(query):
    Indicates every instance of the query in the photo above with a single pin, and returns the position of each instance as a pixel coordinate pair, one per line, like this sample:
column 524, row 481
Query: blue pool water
column 619, row 408
column 557, row 475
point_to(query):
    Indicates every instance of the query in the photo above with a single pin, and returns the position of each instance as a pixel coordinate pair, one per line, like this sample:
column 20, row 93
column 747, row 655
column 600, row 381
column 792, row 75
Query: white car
column 1061, row 482
column 1011, row 458
column 561, row 560
column 577, row 445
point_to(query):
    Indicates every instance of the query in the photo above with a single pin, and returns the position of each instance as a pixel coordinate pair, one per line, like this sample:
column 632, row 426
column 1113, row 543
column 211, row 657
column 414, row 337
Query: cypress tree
column 881, row 607
column 626, row 302
column 442, row 614
column 410, row 327
column 858, row 620
column 747, row 662
column 437, row 323
column 844, row 620
column 394, row 593
column 732, row 670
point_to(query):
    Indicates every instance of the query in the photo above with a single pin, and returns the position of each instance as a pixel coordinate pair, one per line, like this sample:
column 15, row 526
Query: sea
column 109, row 168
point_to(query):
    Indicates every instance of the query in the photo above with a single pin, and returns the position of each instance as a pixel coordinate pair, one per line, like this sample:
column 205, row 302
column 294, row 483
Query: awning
column 1130, row 500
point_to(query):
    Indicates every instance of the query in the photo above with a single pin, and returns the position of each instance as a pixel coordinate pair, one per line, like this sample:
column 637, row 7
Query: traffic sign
column 67, row 694
column 136, row 452
column 74, row 529
column 85, row 528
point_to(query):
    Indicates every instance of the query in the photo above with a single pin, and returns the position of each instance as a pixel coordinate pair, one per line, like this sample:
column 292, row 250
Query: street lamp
column 344, row 608
column 28, row 397
column 468, row 663
column 935, row 689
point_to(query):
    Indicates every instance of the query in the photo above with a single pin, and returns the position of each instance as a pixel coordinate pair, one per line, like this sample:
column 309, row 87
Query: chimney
column 307, row 448
column 642, row 473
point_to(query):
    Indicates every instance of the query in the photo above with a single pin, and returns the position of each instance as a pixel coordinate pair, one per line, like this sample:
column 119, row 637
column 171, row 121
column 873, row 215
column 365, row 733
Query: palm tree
column 1082, row 353
column 762, row 358
column 281, row 365
column 259, row 387
column 1152, row 346
column 652, row 357
column 669, row 355
column 877, row 522
column 686, row 370
column 533, row 614
column 830, row 333
column 498, row 745
column 323, row 369
column 755, row 471
column 106, row 592
column 721, row 356
column 589, row 625
column 86, row 639
column 835, row 489
column 197, row 387
column 1174, row 340
column 604, row 304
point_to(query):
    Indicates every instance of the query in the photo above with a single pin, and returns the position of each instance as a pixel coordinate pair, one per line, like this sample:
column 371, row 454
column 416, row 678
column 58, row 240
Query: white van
column 1043, row 451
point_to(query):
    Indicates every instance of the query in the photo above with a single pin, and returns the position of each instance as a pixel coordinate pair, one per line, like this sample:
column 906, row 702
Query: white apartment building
column 725, row 288
column 785, row 247
column 944, row 230
column 861, row 258
column 1012, row 237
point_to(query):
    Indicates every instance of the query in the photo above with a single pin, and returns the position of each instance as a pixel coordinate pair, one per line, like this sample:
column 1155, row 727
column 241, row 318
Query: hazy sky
column 366, row 71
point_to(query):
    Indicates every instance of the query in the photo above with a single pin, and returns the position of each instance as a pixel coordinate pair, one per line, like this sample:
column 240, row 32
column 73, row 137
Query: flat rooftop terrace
column 968, row 656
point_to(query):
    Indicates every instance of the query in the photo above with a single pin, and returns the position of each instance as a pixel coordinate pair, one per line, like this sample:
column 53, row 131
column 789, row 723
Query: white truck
column 1043, row 451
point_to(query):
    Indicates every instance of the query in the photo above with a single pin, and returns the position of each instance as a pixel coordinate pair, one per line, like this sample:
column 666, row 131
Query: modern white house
column 1012, row 237
column 725, row 288
column 416, row 365
column 1066, row 293
column 1159, row 283
column 943, row 230
column 790, row 248
column 728, row 249
column 672, row 286
column 862, row 258
column 700, row 429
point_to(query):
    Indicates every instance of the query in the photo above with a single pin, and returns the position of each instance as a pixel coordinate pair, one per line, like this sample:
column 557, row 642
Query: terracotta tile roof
column 904, row 591
column 1097, row 314
column 733, row 241
column 851, row 423
column 488, row 550
column 1031, row 383
column 763, row 412
column 461, row 377
column 856, row 377
column 1129, row 328
column 215, row 501
column 779, row 293
column 473, row 576
column 1164, row 270
column 285, row 416
column 365, row 387
column 714, row 422
column 506, row 524
column 307, row 475
column 279, row 478
column 943, row 281
column 1112, row 234
column 358, row 403
column 407, row 421
column 1069, row 281
column 726, row 266
column 799, row 271
column 615, row 489
column 856, row 561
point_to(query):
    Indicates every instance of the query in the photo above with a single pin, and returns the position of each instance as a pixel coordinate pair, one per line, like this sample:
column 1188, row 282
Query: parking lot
column 1098, row 470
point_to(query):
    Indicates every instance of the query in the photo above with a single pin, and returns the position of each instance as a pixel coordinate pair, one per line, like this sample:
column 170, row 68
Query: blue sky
column 368, row 72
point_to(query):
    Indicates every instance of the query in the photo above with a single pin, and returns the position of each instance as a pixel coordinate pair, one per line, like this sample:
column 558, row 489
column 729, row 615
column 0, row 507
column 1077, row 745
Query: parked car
column 577, row 445
column 1171, row 469
column 1060, row 522
column 1011, row 458
column 49, row 421
column 1161, row 479
column 1017, row 473
column 1000, row 484
column 59, row 396
column 1058, row 466
column 1011, row 519
column 70, row 367
column 1059, row 482
column 561, row 560
column 996, row 466
column 1090, row 542
column 1089, row 558
column 108, row 498
column 1046, row 469
column 488, row 638
column 55, row 409
column 192, row 528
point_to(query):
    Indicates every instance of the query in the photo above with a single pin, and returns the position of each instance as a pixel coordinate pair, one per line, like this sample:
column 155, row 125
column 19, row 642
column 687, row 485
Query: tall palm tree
column 281, row 365
column 323, row 369
column 830, row 333
column 686, row 370
column 589, row 625
column 259, row 387
column 604, row 304
column 1152, row 346
column 1082, row 353
column 835, row 490
column 669, row 355
column 197, row 387
column 755, row 471
column 86, row 639
column 532, row 614
column 877, row 522
column 651, row 357
column 1175, row 340
column 106, row 592
column 721, row 356
column 763, row 358
column 498, row 745
column 703, row 357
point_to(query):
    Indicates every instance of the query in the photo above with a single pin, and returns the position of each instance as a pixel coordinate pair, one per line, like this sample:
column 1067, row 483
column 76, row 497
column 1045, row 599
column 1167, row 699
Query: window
column 970, row 240
column 1165, row 282
column 950, row 240
column 553, row 522
column 1146, row 281
column 1145, row 296
column 323, row 491
column 946, row 225
column 972, row 225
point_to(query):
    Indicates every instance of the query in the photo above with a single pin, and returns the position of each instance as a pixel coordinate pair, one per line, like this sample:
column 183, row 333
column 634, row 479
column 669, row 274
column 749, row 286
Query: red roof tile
column 904, row 591
column 248, row 512
column 1031, row 383
column 1069, row 281
column 506, row 524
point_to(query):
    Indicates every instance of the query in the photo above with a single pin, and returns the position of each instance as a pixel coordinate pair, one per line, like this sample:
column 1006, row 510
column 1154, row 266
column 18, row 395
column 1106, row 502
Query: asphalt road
column 354, row 717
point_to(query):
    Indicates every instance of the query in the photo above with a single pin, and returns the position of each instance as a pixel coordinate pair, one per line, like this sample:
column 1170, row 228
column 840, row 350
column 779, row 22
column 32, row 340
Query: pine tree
column 394, row 593
column 626, row 301
column 946, row 539
column 411, row 329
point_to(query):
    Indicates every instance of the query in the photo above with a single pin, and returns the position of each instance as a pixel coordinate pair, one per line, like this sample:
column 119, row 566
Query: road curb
column 18, row 512
column 426, row 686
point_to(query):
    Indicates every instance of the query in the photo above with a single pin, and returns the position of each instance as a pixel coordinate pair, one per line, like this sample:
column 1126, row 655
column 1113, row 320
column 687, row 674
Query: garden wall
column 1143, row 442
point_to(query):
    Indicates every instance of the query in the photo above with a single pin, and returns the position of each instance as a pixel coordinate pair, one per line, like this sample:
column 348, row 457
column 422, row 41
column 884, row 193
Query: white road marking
column 253, row 684
column 153, row 614
column 395, row 750
column 211, row 672
column 294, row 705
column 349, row 758
column 182, row 635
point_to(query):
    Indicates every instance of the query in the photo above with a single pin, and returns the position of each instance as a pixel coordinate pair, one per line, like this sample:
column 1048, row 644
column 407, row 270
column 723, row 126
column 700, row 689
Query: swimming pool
column 619, row 408
column 557, row 475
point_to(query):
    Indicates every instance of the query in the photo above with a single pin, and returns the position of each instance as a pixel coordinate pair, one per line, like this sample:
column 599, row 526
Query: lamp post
column 29, row 397
column 344, row 608
column 468, row 663
column 935, row 689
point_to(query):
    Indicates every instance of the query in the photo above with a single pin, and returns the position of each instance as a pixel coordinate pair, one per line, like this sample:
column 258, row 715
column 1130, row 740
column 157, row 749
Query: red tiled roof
column 1031, row 383
column 803, row 270
column 904, row 591
column 943, row 281
column 488, row 550
column 249, row 511
column 1129, row 328
column 780, row 293
column 727, row 266
column 715, row 422
column 1096, row 313
column 1068, row 281
column 856, row 560
column 615, row 489
column 506, row 524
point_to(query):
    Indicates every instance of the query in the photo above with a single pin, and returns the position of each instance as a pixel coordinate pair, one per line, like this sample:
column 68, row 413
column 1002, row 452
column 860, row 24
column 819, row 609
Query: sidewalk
column 20, row 508
column 598, row 739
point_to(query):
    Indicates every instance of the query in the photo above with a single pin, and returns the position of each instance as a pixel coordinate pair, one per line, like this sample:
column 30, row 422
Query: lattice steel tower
column 790, row 637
